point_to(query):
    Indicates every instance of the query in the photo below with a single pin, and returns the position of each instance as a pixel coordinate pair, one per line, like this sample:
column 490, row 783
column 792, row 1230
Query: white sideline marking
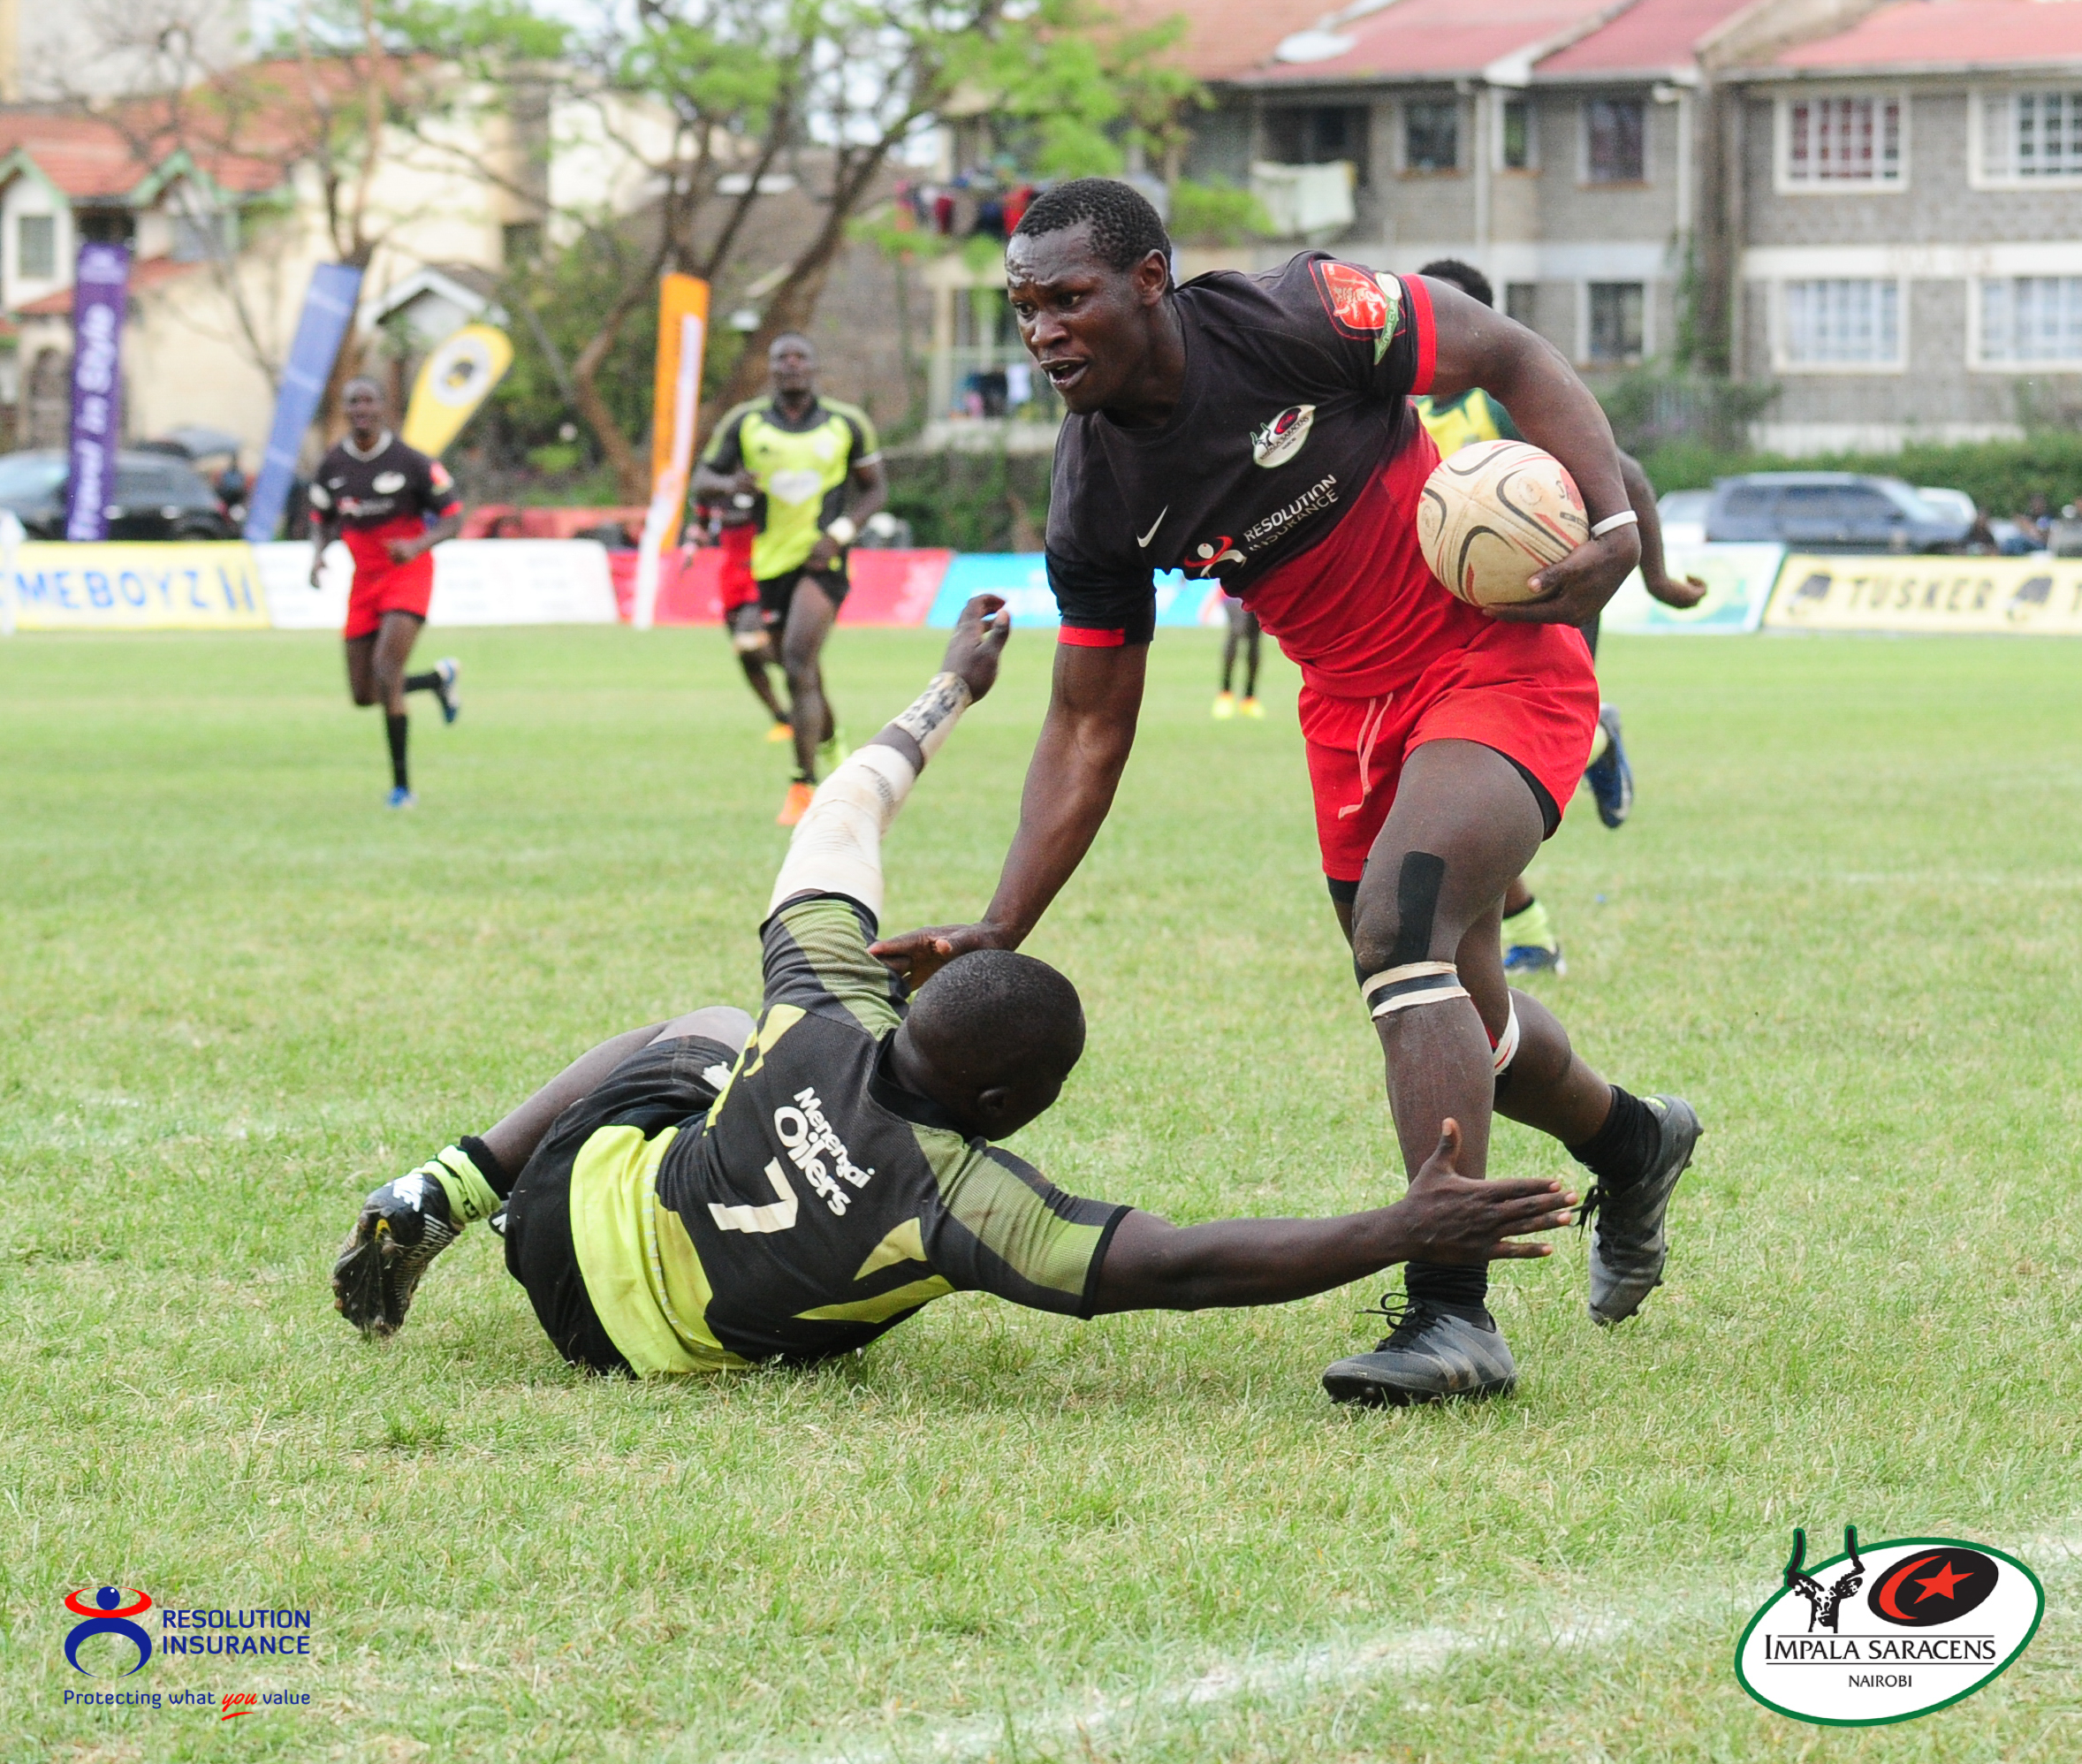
column 1400, row 1654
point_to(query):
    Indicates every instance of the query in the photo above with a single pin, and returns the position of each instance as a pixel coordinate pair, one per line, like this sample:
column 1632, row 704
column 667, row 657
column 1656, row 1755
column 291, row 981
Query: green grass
column 234, row 995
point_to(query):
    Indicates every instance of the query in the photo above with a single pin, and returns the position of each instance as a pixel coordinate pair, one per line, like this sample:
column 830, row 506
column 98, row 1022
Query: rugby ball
column 1492, row 514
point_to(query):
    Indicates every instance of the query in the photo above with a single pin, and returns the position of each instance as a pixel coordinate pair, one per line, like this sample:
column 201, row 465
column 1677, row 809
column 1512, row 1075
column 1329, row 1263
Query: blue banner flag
column 328, row 308
column 99, row 284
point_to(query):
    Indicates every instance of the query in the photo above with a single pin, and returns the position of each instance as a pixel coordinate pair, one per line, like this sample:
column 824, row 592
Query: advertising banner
column 1022, row 577
column 2041, row 596
column 199, row 585
column 1738, row 580
column 476, row 581
column 682, row 337
column 889, row 587
column 100, row 284
column 328, row 308
column 456, row 377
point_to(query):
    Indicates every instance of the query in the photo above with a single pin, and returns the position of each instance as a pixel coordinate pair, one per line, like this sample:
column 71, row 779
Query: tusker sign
column 2034, row 597
column 100, row 282
column 137, row 587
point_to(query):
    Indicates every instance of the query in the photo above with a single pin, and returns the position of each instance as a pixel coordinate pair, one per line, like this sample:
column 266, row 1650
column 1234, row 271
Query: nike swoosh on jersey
column 1143, row 543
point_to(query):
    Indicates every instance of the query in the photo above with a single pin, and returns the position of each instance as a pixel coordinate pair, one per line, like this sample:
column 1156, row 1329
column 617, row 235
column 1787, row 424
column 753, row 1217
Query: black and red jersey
column 1297, row 388
column 395, row 487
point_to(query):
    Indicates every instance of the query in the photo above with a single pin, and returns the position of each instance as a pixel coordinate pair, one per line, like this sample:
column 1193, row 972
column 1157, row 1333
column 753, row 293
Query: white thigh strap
column 1506, row 1046
column 1414, row 983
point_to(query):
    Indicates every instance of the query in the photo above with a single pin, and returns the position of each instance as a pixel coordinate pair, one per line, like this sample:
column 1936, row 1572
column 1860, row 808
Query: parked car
column 1684, row 515
column 1832, row 511
column 156, row 497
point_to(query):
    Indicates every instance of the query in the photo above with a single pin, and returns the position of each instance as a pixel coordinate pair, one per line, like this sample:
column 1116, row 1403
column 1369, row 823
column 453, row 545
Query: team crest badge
column 1275, row 443
column 1356, row 302
column 385, row 483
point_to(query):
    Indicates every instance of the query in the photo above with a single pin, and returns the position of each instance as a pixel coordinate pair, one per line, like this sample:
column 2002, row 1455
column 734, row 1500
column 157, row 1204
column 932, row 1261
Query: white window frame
column 1979, row 360
column 1583, row 141
column 1496, row 158
column 1782, row 144
column 1582, row 320
column 1983, row 99
column 1781, row 360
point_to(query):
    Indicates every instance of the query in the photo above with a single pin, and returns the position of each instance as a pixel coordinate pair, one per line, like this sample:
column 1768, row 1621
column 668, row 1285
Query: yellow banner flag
column 682, row 340
column 457, row 378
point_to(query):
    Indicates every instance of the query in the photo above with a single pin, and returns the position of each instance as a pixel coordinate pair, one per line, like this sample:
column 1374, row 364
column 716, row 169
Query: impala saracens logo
column 1941, row 1619
column 1275, row 443
column 1359, row 304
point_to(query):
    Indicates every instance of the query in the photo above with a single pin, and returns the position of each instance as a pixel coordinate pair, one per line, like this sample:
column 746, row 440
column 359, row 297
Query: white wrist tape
column 934, row 712
column 1626, row 517
column 837, row 849
column 842, row 531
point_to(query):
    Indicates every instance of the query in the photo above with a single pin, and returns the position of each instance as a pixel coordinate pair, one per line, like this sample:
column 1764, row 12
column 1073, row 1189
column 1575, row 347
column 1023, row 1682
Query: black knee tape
column 1417, row 905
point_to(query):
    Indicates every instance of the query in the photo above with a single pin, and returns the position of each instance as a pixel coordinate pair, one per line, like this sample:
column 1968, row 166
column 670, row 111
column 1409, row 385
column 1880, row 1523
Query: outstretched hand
column 1574, row 590
column 978, row 642
column 1452, row 1218
column 917, row 955
column 1672, row 592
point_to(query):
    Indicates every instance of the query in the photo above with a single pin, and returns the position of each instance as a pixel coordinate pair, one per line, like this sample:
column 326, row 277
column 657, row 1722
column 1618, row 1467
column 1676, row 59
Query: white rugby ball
column 1492, row 514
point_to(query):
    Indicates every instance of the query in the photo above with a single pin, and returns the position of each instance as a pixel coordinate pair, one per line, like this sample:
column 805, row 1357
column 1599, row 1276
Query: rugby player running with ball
column 391, row 504
column 713, row 1193
column 1257, row 430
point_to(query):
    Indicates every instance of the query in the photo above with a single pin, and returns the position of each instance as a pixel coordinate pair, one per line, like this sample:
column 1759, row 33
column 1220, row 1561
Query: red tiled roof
column 1949, row 33
column 1226, row 37
column 149, row 273
column 1653, row 37
column 1441, row 38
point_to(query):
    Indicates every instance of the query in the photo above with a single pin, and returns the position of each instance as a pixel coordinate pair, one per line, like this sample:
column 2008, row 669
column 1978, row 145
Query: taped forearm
column 837, row 849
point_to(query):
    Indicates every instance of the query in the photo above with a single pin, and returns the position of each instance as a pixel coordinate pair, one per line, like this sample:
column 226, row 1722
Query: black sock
column 397, row 727
column 488, row 1166
column 422, row 682
column 1623, row 1150
column 1447, row 1284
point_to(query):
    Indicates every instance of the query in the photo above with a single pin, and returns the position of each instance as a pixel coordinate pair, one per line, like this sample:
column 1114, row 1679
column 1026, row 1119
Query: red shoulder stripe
column 1427, row 333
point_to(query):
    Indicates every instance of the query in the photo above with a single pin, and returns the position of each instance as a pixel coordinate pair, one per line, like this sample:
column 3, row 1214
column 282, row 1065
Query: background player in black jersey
column 714, row 1192
column 1531, row 946
column 391, row 504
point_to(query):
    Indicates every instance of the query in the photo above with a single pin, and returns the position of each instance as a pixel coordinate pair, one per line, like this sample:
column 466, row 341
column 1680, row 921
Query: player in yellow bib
column 805, row 457
column 1531, row 946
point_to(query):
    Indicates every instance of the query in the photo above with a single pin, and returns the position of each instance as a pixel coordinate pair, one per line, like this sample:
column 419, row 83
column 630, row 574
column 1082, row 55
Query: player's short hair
column 1465, row 277
column 781, row 336
column 1125, row 228
column 368, row 380
column 1003, row 1018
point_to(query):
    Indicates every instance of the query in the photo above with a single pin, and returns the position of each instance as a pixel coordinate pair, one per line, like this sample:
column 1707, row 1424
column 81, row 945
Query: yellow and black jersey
column 801, row 466
column 1457, row 422
column 814, row 1203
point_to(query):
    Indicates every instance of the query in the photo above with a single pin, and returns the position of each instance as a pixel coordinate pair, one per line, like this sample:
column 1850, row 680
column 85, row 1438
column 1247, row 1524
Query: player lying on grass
column 712, row 1193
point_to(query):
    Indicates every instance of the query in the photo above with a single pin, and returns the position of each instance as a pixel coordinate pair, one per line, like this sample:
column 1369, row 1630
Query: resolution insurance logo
column 108, row 1611
column 1941, row 1618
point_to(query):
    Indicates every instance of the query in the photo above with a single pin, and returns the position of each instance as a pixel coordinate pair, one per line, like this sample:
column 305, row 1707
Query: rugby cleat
column 1432, row 1354
column 1252, row 709
column 780, row 733
column 447, row 670
column 1628, row 1248
column 400, row 798
column 832, row 751
column 1609, row 776
column 404, row 1225
column 1225, row 706
column 795, row 804
column 1535, row 958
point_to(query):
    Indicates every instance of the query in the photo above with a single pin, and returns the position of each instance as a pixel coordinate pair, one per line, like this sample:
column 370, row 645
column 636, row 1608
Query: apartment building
column 1910, row 207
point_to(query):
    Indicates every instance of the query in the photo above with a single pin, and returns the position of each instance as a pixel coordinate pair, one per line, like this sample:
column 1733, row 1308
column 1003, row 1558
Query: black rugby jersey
column 816, row 1204
column 1298, row 387
column 394, row 484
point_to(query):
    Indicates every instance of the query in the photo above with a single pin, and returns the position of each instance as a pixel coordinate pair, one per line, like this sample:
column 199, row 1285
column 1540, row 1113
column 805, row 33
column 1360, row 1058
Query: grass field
column 235, row 994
